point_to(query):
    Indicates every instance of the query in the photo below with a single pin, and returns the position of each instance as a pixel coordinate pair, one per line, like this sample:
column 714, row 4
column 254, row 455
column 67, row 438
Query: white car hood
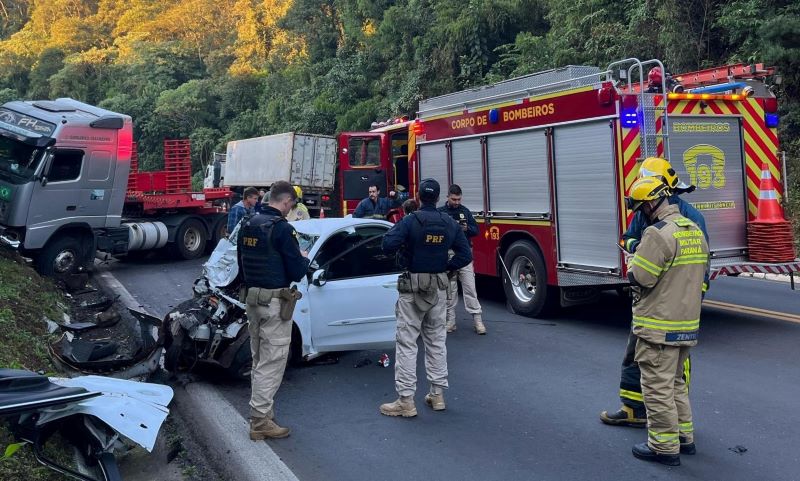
column 134, row 409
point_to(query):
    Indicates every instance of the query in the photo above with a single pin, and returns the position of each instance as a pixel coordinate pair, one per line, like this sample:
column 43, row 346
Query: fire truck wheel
column 190, row 239
column 61, row 256
column 527, row 291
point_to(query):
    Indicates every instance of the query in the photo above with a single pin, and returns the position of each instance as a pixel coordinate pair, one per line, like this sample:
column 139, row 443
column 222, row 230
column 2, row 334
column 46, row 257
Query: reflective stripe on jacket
column 669, row 267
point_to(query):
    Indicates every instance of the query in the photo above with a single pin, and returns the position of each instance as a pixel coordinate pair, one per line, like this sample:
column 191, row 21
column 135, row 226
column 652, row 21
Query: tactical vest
column 431, row 237
column 261, row 264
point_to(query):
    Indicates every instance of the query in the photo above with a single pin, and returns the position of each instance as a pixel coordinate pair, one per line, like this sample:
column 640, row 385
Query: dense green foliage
column 220, row 70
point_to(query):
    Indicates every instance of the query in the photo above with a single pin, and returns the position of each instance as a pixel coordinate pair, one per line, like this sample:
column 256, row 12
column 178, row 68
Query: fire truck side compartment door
column 518, row 180
column 707, row 152
column 586, row 195
column 433, row 163
column 467, row 167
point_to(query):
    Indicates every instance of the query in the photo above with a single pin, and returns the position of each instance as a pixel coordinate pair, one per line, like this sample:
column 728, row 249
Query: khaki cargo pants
column 411, row 323
column 270, row 337
column 666, row 397
column 466, row 275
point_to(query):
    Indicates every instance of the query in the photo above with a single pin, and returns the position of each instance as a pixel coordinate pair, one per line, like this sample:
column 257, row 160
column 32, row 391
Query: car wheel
column 296, row 348
column 242, row 363
column 190, row 239
column 529, row 295
column 173, row 355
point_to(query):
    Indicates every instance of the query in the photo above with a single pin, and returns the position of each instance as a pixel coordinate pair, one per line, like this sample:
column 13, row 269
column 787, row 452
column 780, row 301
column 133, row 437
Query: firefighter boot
column 435, row 398
column 263, row 428
column 479, row 327
column 687, row 448
column 643, row 451
column 626, row 416
column 403, row 406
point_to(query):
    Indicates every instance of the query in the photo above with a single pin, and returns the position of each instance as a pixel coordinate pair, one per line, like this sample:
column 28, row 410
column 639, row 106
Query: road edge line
column 216, row 421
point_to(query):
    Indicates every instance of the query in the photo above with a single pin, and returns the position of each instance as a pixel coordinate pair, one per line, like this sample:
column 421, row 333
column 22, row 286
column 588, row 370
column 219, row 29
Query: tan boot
column 451, row 326
column 263, row 428
column 479, row 327
column 435, row 398
column 403, row 406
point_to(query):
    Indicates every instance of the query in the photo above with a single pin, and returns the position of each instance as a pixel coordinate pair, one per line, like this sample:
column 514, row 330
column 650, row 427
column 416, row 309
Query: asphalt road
column 524, row 400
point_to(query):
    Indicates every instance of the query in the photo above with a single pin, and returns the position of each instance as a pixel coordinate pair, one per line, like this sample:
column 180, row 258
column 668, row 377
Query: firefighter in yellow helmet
column 667, row 273
column 299, row 211
column 632, row 412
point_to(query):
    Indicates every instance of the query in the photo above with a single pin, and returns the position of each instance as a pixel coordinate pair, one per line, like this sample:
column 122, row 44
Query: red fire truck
column 545, row 160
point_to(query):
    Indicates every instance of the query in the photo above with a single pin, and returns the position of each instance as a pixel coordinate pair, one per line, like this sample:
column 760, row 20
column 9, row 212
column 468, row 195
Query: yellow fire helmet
column 645, row 189
column 662, row 169
column 299, row 192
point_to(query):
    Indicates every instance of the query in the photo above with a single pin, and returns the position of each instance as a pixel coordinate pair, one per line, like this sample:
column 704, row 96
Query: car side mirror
column 318, row 278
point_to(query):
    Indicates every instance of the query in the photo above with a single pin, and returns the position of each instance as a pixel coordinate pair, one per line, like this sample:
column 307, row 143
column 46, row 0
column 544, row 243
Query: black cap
column 428, row 190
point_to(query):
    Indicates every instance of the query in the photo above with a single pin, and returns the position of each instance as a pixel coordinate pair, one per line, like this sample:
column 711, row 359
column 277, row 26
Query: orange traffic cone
column 321, row 213
column 769, row 209
column 769, row 236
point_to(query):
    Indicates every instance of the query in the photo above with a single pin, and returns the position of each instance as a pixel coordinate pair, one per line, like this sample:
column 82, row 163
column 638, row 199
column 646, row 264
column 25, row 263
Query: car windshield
column 18, row 161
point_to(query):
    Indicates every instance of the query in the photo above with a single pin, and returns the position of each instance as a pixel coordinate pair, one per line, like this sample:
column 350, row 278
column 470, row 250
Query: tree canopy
column 227, row 69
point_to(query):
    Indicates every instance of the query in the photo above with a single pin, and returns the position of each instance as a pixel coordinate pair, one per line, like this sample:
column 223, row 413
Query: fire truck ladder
column 727, row 73
column 653, row 126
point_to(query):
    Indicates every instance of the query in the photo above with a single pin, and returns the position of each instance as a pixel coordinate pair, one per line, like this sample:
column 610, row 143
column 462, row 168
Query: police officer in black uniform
column 270, row 260
column 426, row 236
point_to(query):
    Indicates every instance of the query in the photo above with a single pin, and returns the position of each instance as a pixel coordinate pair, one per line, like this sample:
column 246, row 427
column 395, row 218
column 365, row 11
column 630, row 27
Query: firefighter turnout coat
column 669, row 267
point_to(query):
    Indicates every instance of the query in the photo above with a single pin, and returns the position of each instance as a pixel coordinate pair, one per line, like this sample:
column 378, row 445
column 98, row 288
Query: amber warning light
column 418, row 127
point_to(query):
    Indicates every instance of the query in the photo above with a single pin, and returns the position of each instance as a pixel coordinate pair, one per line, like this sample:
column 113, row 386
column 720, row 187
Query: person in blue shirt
column 632, row 412
column 466, row 275
column 244, row 207
column 375, row 206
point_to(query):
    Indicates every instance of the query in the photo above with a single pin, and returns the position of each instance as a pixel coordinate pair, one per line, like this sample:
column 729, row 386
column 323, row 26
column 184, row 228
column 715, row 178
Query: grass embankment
column 25, row 300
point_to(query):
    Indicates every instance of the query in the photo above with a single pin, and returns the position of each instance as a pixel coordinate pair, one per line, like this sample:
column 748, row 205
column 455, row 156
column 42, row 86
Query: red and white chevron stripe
column 785, row 268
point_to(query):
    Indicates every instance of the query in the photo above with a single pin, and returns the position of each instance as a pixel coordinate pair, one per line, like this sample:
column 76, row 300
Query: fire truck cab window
column 66, row 166
column 365, row 152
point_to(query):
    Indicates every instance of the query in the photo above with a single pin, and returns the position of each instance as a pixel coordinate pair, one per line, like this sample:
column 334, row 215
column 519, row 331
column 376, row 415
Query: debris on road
column 99, row 336
column 364, row 361
column 738, row 449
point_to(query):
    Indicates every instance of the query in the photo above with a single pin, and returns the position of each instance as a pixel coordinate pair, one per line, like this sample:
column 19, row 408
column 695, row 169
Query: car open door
column 353, row 305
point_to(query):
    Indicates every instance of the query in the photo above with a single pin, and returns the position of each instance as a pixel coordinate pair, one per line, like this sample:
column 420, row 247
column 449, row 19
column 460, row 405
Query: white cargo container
column 305, row 160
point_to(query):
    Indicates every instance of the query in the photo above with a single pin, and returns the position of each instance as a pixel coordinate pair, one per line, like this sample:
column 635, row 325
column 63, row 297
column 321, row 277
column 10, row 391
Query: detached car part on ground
column 348, row 300
column 98, row 415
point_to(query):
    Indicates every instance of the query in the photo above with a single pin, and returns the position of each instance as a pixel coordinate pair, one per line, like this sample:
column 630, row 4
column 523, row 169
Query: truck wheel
column 62, row 256
column 531, row 296
column 190, row 239
column 219, row 231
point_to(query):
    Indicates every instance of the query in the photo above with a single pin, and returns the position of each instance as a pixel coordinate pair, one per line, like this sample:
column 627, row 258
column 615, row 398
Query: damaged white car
column 348, row 301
